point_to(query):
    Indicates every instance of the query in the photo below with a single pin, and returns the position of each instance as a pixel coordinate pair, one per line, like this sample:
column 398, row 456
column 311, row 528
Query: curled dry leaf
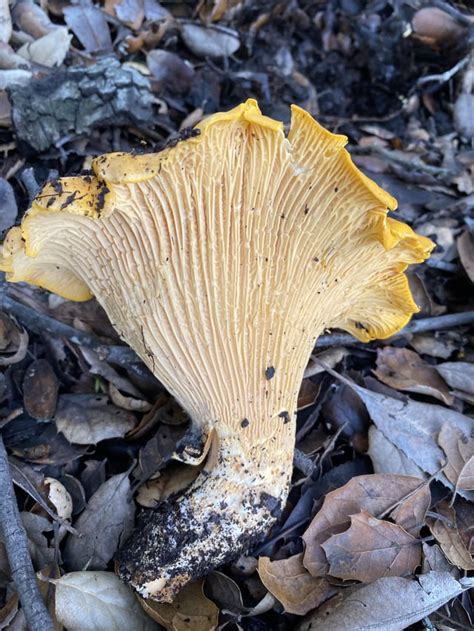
column 59, row 497
column 95, row 601
column 308, row 394
column 12, row 340
column 190, row 610
column 88, row 24
column 465, row 245
column 170, row 71
column 5, row 22
column 291, row 583
column 344, row 411
column 173, row 479
column 331, row 357
column 389, row 604
column 86, row 419
column 225, row 592
column 436, row 27
column 371, row 548
column 459, row 450
column 107, row 520
column 458, row 375
column 374, row 493
column 7, row 202
column 211, row 41
column 49, row 50
column 127, row 403
column 403, row 369
column 40, row 390
column 30, row 18
column 445, row 531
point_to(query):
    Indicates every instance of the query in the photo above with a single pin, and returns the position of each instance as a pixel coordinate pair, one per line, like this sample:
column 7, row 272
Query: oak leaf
column 371, row 548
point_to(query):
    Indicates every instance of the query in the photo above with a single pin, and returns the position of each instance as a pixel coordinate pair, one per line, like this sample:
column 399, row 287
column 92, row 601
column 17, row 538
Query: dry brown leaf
column 212, row 41
column 411, row 513
column 433, row 345
column 308, row 393
column 371, row 548
column 459, row 450
column 8, row 204
column 59, row 497
column 446, row 533
column 13, row 342
column 175, row 478
column 374, row 493
column 190, row 610
column 391, row 603
column 32, row 19
column 331, row 357
column 403, row 369
column 465, row 245
column 107, row 520
column 458, row 375
column 436, row 27
column 86, row 419
column 434, row 560
column 127, row 403
column 215, row 10
column 9, row 611
column 464, row 522
column 130, row 12
column 96, row 601
column 40, row 390
column 5, row 22
column 41, row 546
column 414, row 427
column 422, row 297
column 386, row 458
column 88, row 24
column 49, row 50
column 291, row 583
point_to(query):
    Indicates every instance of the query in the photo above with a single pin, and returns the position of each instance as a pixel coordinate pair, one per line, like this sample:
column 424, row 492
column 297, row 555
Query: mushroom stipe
column 220, row 261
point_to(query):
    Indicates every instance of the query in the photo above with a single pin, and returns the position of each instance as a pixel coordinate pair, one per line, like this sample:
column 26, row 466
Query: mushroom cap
column 226, row 255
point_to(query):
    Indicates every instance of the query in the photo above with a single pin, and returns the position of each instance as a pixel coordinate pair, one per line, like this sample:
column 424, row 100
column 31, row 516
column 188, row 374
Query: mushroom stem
column 229, row 509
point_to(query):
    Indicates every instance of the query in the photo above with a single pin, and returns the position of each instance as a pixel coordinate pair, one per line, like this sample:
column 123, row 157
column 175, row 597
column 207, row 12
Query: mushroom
column 220, row 260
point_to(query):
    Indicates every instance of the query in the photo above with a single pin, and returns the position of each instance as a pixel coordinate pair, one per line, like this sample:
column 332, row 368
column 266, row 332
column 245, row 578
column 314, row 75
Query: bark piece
column 68, row 103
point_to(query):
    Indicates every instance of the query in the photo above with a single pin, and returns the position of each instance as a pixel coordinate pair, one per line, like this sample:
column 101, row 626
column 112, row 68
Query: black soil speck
column 270, row 373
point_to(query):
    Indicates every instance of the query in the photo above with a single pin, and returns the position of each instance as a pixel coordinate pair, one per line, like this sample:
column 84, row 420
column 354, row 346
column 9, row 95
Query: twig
column 302, row 462
column 410, row 161
column 16, row 544
column 445, row 76
column 42, row 323
column 417, row 326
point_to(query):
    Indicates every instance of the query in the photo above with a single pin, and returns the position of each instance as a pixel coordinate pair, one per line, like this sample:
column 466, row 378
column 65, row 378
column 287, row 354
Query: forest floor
column 89, row 438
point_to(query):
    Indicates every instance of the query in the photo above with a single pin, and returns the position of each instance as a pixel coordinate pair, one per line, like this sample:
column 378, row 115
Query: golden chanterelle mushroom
column 220, row 261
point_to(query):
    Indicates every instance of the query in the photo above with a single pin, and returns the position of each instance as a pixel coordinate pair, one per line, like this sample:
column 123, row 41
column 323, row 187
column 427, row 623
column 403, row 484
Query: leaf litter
column 377, row 531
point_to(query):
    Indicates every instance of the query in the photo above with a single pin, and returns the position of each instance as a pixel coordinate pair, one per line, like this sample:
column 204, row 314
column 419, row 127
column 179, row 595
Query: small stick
column 16, row 544
column 416, row 326
column 42, row 323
